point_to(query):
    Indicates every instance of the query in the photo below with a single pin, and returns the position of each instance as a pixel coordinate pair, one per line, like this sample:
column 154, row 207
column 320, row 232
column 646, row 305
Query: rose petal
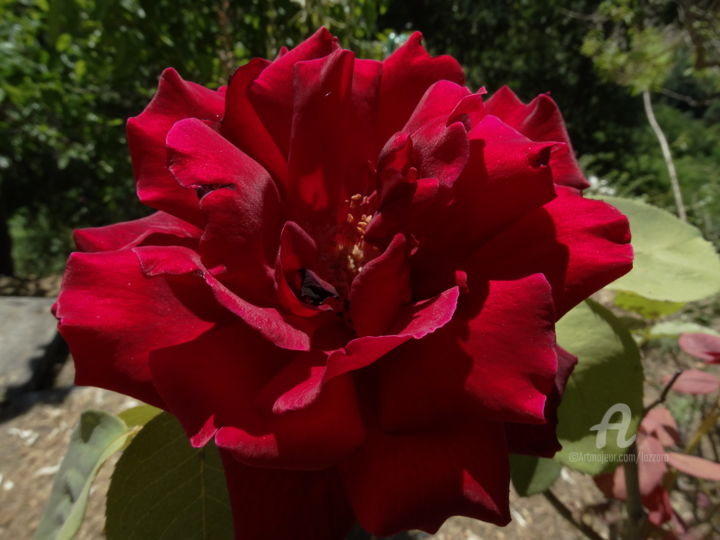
column 406, row 481
column 302, row 381
column 502, row 164
column 158, row 228
column 440, row 152
column 224, row 392
column 201, row 159
column 580, row 245
column 318, row 141
column 284, row 331
column 175, row 99
column 243, row 126
column 703, row 346
column 241, row 234
column 272, row 91
column 297, row 252
column 274, row 504
column 439, row 102
column 380, row 289
column 486, row 372
column 113, row 316
column 240, row 202
column 541, row 439
column 407, row 74
column 540, row 120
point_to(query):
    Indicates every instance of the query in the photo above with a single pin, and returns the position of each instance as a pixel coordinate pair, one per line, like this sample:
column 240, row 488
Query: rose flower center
column 343, row 254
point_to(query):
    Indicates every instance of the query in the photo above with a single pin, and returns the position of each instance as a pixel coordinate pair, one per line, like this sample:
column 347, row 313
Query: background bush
column 72, row 71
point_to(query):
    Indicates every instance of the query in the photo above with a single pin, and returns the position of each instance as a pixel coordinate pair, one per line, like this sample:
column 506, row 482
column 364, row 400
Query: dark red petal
column 541, row 439
column 407, row 74
column 406, row 481
column 319, row 141
column 112, row 316
column 363, row 125
column 241, row 234
column 441, row 152
column 223, row 371
column 157, row 228
column 477, row 366
column 297, row 252
column 269, row 322
column 302, row 382
column 580, row 245
column 240, row 202
column 272, row 91
column 502, row 164
column 436, row 106
column 175, row 99
column 202, row 159
column 469, row 110
column 243, row 126
column 270, row 504
column 703, row 346
column 540, row 120
column 380, row 289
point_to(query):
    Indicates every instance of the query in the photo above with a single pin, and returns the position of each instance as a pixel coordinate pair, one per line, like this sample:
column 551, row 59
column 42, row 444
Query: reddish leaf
column 659, row 423
column 695, row 466
column 695, row 381
column 703, row 346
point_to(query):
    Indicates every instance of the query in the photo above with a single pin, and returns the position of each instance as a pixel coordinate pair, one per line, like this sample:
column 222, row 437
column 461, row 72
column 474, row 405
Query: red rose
column 351, row 284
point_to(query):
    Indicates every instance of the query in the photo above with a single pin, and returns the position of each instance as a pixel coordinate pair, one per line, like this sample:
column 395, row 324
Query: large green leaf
column 531, row 474
column 162, row 488
column 139, row 416
column 95, row 439
column 672, row 260
column 649, row 309
column 608, row 372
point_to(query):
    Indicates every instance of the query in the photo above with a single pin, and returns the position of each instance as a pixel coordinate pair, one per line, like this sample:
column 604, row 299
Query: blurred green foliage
column 672, row 48
column 72, row 71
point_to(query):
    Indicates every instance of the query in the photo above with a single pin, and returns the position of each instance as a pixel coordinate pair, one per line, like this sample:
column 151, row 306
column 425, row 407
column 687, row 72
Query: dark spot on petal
column 204, row 189
column 313, row 289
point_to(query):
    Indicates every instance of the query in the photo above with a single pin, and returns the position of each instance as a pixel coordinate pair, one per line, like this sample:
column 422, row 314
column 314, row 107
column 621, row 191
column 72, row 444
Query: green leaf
column 95, row 439
column 135, row 418
column 162, row 488
column 531, row 475
column 139, row 416
column 650, row 309
column 608, row 372
column 673, row 262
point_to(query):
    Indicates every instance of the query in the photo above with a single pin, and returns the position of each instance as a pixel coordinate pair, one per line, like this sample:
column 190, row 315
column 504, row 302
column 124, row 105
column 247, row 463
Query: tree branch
column 669, row 163
column 664, row 393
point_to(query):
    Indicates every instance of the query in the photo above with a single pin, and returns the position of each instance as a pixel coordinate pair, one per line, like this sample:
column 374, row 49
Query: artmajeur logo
column 622, row 427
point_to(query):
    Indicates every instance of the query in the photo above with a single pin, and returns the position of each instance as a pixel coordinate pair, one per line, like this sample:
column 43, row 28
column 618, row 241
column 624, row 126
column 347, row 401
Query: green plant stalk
column 635, row 525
